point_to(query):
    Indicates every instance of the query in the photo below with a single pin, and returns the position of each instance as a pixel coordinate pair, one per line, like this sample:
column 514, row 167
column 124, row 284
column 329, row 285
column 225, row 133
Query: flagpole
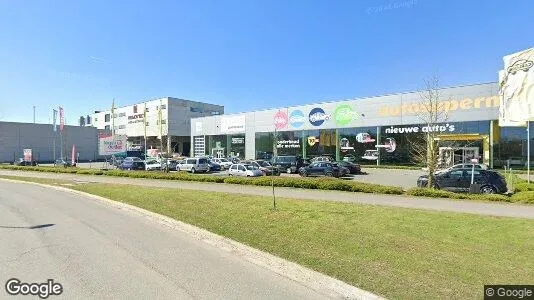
column 144, row 125
column 160, row 128
column 528, row 151
column 113, row 118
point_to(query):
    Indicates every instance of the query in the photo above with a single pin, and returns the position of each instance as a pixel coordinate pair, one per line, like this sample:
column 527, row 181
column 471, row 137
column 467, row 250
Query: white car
column 151, row 165
column 225, row 164
column 244, row 170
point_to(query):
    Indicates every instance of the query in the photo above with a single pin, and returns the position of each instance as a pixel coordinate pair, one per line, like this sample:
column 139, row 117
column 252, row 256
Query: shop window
column 107, row 118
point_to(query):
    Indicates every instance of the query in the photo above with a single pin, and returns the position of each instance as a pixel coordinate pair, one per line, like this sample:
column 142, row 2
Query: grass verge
column 398, row 253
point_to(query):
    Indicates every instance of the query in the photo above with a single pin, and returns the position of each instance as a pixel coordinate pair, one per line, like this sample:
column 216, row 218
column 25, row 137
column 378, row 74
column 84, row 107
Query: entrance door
column 469, row 153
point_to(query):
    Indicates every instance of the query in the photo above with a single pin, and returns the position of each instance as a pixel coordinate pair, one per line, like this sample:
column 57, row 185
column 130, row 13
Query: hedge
column 524, row 191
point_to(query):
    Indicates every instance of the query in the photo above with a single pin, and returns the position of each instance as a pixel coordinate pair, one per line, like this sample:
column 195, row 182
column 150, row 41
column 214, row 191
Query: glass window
column 191, row 161
column 106, row 118
column 457, row 174
column 241, row 168
column 202, row 161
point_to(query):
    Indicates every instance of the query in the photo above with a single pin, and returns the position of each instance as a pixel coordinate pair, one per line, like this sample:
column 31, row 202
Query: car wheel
column 177, row 169
column 487, row 190
column 193, row 170
column 288, row 170
column 329, row 174
column 304, row 174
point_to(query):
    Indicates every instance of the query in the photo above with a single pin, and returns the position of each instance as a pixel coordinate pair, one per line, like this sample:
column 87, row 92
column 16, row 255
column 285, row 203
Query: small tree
column 425, row 148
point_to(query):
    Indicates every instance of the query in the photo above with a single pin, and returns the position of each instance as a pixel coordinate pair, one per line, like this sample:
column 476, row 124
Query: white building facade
column 175, row 127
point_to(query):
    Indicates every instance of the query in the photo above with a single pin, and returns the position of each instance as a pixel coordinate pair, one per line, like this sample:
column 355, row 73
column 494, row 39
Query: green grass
column 394, row 252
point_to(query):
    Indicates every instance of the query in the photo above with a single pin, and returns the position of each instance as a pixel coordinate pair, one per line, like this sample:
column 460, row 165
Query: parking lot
column 395, row 177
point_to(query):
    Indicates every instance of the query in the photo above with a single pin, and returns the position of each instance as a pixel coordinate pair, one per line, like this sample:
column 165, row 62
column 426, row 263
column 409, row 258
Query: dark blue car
column 132, row 163
column 214, row 166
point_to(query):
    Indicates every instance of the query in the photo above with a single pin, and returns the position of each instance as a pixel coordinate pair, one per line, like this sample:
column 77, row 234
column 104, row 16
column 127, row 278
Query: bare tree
column 432, row 113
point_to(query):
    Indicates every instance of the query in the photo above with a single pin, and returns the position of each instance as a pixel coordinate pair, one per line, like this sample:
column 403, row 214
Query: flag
column 61, row 119
column 54, row 113
column 113, row 117
column 73, row 155
column 159, row 118
column 144, row 120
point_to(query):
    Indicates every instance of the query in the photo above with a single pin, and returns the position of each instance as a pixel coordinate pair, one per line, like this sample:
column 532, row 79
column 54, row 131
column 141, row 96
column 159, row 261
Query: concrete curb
column 314, row 280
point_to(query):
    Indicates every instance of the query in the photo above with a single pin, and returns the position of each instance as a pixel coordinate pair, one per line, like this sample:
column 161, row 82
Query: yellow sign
column 415, row 108
column 312, row 140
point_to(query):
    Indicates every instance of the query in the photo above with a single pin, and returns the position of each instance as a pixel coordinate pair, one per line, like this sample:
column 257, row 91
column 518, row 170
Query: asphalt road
column 460, row 206
column 101, row 252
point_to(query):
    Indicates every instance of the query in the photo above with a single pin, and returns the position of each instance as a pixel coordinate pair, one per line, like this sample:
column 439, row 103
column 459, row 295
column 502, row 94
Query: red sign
column 281, row 120
column 61, row 118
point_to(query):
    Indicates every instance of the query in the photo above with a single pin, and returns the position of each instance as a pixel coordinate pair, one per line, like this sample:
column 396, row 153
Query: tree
column 432, row 113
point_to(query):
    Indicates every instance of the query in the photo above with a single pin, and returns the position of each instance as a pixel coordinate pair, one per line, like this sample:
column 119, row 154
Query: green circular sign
column 344, row 114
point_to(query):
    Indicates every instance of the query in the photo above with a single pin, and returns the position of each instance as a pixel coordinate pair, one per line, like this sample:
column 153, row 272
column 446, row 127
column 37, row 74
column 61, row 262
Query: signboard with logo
column 231, row 124
column 423, row 128
column 109, row 144
column 297, row 118
column 238, row 140
column 135, row 118
column 318, row 116
column 280, row 120
column 344, row 115
column 289, row 144
column 27, row 154
column 312, row 140
column 516, row 89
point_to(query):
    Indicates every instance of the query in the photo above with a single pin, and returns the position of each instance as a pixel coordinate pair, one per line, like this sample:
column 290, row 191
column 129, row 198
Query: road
column 460, row 206
column 97, row 251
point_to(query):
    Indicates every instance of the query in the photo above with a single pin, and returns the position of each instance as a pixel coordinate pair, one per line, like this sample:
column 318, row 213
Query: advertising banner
column 27, row 154
column 54, row 113
column 231, row 124
column 516, row 89
column 109, row 144
column 73, row 156
column 61, row 119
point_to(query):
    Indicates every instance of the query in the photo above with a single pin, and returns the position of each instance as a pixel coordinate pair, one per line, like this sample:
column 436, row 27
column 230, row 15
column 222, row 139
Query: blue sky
column 245, row 55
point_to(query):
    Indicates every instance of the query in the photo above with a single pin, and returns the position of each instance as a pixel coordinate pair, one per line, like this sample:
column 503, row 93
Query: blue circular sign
column 318, row 116
column 296, row 118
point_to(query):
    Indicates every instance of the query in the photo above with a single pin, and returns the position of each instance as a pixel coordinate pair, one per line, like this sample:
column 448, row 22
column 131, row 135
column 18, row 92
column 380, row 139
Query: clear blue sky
column 246, row 54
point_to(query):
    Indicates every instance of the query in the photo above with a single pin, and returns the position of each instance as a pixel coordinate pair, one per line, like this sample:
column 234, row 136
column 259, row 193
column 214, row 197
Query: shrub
column 524, row 186
column 524, row 197
column 428, row 192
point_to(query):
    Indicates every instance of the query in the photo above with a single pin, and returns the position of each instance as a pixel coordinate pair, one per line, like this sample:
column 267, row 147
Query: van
column 194, row 165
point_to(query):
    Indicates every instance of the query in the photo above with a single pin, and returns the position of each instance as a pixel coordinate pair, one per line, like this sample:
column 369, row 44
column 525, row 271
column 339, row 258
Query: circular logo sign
column 296, row 118
column 318, row 116
column 344, row 114
column 280, row 120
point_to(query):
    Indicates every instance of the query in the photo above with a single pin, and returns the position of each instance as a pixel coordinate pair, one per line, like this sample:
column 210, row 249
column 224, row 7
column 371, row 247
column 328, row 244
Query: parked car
column 22, row 162
column 465, row 166
column 289, row 164
column 172, row 163
column 459, row 180
column 244, row 170
column 194, row 165
column 132, row 163
column 151, row 165
column 352, row 167
column 64, row 163
column 265, row 167
column 225, row 163
column 321, row 169
column 214, row 167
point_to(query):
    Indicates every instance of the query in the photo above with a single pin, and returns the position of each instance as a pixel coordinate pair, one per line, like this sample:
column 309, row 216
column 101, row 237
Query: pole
column 528, row 151
column 34, row 114
column 61, row 143
column 144, row 126
column 275, row 152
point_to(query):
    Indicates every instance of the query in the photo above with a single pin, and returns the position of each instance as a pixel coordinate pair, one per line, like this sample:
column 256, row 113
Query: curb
column 314, row 280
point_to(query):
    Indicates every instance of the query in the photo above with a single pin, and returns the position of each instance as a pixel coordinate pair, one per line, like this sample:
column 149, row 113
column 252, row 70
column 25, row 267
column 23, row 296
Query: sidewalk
column 460, row 206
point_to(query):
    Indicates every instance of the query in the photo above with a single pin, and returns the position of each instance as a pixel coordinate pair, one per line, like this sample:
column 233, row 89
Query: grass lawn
column 394, row 252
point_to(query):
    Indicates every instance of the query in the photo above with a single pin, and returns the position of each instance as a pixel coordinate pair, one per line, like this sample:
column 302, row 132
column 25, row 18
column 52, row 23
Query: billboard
column 516, row 89
column 27, row 154
column 109, row 144
column 61, row 119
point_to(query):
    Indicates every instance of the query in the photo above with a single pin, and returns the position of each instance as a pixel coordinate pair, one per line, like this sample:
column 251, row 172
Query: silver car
column 194, row 165
column 244, row 170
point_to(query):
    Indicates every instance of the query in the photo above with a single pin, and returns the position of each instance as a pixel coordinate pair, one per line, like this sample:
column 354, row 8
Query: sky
column 246, row 55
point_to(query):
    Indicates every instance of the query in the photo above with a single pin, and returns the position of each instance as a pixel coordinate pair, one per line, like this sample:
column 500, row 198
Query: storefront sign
column 288, row 144
column 280, row 120
column 415, row 108
column 312, row 140
column 317, row 116
column 137, row 118
column 296, row 118
column 344, row 115
column 424, row 128
column 238, row 140
column 364, row 137
column 232, row 124
column 27, row 154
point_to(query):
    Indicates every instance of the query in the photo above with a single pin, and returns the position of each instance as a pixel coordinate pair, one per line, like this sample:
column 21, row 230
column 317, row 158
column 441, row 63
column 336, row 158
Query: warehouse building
column 355, row 127
column 143, row 119
column 45, row 144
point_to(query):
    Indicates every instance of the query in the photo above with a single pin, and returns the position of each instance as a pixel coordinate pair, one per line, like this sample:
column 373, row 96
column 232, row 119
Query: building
column 354, row 128
column 175, row 122
column 45, row 143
